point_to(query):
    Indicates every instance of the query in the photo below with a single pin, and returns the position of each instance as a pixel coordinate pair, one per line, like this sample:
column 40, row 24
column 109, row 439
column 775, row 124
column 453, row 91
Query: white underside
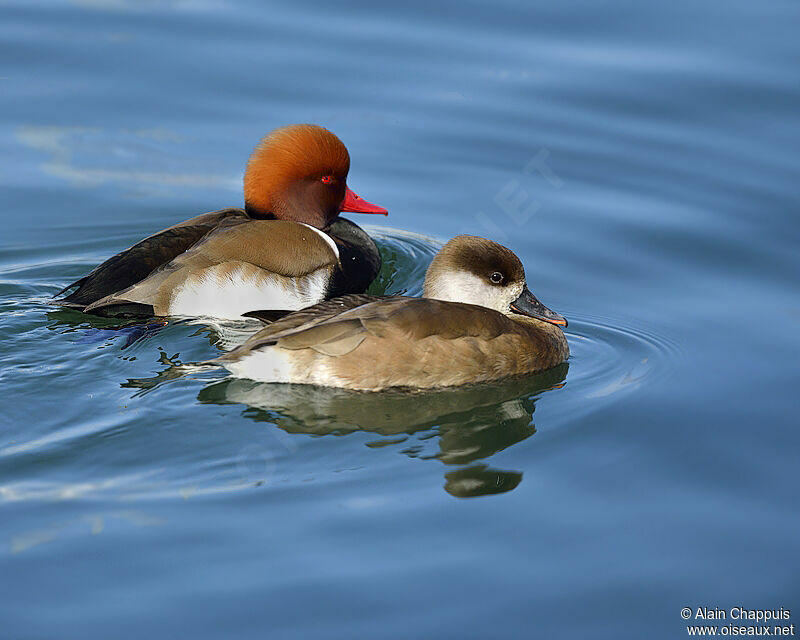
column 219, row 292
column 273, row 364
column 264, row 365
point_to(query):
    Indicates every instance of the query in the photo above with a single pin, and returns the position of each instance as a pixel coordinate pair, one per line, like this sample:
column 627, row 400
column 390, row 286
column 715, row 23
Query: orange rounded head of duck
column 299, row 173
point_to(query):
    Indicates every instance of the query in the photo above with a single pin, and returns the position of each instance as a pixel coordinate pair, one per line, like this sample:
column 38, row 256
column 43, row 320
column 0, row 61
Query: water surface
column 642, row 161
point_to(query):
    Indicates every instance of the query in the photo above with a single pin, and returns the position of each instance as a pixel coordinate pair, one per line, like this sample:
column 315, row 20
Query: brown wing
column 419, row 318
column 284, row 247
column 317, row 312
column 136, row 263
column 296, row 322
column 264, row 247
column 419, row 342
column 408, row 342
column 338, row 326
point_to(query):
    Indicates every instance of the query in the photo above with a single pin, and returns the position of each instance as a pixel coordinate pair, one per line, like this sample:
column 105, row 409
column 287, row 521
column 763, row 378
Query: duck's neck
column 314, row 218
column 358, row 255
column 542, row 328
column 258, row 214
column 535, row 324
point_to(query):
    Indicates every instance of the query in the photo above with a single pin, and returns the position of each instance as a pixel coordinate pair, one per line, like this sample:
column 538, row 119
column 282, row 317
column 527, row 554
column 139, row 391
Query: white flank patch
column 220, row 292
column 268, row 364
column 273, row 364
column 326, row 238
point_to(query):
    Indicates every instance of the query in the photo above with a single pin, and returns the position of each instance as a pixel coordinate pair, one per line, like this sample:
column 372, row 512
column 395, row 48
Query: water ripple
column 610, row 357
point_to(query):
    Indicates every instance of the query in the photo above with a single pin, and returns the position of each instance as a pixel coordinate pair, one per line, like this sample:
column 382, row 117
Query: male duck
column 288, row 248
column 477, row 321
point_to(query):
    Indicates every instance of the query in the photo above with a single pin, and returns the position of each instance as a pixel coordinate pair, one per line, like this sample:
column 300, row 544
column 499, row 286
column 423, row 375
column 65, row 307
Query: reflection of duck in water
column 472, row 422
column 478, row 322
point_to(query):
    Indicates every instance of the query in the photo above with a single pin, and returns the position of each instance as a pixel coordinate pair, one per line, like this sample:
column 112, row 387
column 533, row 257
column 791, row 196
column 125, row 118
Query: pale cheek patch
column 457, row 287
column 515, row 292
column 224, row 292
column 470, row 289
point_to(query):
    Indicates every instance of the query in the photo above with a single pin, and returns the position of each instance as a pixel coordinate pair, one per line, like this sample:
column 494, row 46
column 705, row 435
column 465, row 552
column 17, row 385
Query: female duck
column 477, row 322
column 288, row 248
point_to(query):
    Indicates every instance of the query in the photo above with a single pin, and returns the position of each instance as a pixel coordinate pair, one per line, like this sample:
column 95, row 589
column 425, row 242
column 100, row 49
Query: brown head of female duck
column 477, row 322
column 286, row 249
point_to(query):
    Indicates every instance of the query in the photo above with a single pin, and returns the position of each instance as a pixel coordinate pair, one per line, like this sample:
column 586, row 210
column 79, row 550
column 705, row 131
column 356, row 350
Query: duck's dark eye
column 496, row 277
column 327, row 179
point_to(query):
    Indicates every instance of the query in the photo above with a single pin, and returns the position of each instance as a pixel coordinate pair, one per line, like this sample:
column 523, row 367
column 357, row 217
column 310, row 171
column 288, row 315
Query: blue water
column 642, row 160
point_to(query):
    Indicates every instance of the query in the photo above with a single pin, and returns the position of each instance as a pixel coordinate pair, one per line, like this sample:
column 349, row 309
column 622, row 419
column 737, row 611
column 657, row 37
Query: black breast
column 359, row 255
